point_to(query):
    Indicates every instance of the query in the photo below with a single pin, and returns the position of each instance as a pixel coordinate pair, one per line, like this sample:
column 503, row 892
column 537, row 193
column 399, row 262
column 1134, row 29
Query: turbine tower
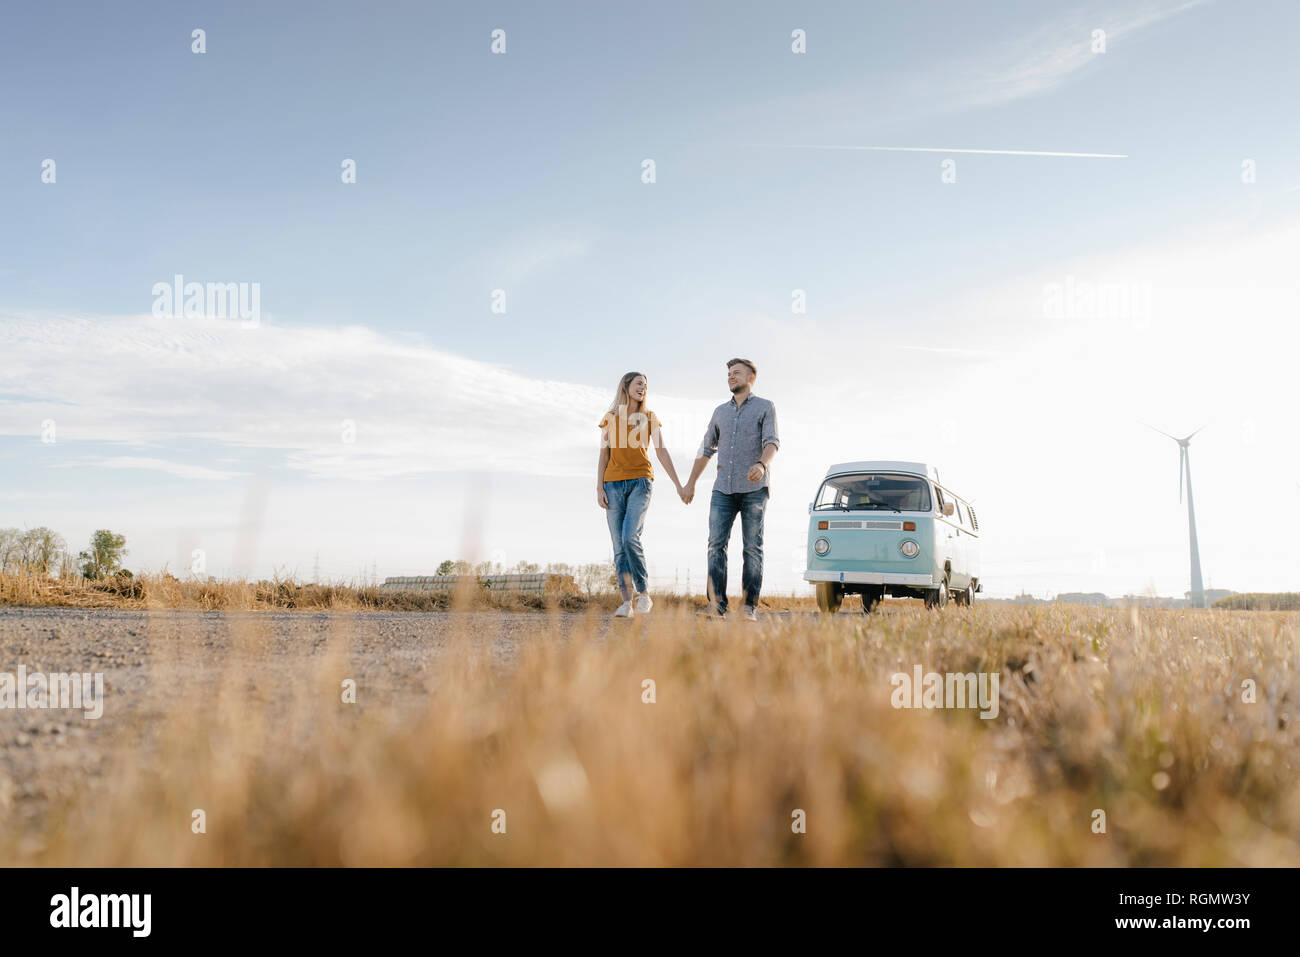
column 1197, row 595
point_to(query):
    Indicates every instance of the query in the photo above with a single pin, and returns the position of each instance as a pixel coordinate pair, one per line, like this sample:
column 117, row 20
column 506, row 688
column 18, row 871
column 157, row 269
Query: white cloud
column 1060, row 48
column 179, row 469
column 533, row 254
column 991, row 76
column 141, row 380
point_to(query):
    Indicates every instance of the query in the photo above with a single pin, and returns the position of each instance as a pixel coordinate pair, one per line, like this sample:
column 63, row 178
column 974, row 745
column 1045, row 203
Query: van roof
column 885, row 465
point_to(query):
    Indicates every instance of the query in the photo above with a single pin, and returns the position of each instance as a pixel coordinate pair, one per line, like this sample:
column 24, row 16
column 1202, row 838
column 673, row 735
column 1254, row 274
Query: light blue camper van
column 891, row 528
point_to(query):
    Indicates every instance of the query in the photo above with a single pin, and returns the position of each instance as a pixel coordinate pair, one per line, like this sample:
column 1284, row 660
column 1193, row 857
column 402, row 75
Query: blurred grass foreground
column 1122, row 737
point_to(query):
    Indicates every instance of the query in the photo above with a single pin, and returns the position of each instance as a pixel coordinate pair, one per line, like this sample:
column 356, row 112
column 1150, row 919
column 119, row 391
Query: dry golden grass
column 1136, row 713
column 1261, row 601
column 166, row 592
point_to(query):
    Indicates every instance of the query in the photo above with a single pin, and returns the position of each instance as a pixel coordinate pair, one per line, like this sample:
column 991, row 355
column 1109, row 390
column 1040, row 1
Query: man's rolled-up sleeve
column 770, row 436
column 709, row 444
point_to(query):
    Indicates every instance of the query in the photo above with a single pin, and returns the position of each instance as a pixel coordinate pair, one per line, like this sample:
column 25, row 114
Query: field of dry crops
column 527, row 737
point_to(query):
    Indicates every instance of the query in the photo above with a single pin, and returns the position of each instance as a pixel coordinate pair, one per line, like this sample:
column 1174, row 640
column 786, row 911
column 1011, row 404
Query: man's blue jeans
column 628, row 501
column 723, row 509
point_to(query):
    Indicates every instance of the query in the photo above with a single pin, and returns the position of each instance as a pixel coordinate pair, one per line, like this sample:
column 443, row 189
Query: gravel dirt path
column 49, row 753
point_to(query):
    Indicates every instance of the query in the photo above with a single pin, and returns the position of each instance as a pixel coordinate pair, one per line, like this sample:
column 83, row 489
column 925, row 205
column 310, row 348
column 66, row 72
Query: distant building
column 1150, row 601
column 1085, row 598
column 1100, row 600
column 1211, row 595
column 1024, row 598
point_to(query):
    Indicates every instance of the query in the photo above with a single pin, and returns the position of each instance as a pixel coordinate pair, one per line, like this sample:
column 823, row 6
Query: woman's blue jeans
column 628, row 501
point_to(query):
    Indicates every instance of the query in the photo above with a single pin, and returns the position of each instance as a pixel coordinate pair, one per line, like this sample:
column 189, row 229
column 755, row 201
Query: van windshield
column 875, row 490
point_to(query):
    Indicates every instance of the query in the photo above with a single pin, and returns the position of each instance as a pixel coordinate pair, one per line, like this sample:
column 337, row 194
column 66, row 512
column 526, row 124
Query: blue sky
column 925, row 334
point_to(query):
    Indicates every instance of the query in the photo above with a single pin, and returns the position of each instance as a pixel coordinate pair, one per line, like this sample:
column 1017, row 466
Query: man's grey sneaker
column 643, row 603
column 711, row 611
column 748, row 613
column 624, row 610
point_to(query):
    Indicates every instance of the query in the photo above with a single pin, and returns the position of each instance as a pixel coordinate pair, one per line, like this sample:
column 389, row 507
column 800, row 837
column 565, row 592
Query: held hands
column 686, row 492
column 757, row 471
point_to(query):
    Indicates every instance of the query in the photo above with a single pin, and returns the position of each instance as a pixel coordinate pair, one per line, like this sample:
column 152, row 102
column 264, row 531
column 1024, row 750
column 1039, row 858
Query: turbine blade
column 1161, row 431
column 1189, row 438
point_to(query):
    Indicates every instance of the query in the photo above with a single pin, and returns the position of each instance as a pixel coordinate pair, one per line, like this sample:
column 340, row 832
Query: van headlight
column 909, row 548
column 821, row 546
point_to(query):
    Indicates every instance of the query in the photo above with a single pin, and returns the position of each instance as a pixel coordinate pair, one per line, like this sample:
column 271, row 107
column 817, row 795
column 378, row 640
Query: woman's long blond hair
column 629, row 429
column 621, row 397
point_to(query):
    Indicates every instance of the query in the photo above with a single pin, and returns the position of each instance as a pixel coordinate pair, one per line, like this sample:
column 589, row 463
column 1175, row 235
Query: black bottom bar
column 337, row 907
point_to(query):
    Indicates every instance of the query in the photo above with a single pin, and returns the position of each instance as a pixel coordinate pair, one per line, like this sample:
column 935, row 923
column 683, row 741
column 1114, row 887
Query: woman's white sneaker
column 624, row 610
column 643, row 603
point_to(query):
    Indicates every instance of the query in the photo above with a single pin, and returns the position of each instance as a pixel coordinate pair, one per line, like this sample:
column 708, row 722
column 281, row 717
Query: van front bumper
column 871, row 578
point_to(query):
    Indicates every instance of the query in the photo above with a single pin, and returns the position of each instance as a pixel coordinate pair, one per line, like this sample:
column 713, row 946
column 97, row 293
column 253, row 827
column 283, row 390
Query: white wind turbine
column 1197, row 594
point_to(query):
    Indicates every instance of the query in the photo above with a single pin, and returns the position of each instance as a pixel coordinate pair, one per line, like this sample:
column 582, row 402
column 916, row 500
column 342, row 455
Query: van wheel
column 963, row 597
column 871, row 599
column 829, row 597
column 938, row 597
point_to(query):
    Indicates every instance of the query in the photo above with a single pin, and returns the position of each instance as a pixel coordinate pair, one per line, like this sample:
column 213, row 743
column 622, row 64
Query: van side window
column 961, row 514
column 938, row 495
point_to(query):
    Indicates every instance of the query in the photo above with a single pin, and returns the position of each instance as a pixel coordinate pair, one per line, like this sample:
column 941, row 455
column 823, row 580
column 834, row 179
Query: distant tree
column 461, row 568
column 1282, row 601
column 9, row 548
column 104, row 556
column 39, row 550
column 68, row 567
column 448, row 567
column 597, row 578
column 558, row 568
column 526, row 568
